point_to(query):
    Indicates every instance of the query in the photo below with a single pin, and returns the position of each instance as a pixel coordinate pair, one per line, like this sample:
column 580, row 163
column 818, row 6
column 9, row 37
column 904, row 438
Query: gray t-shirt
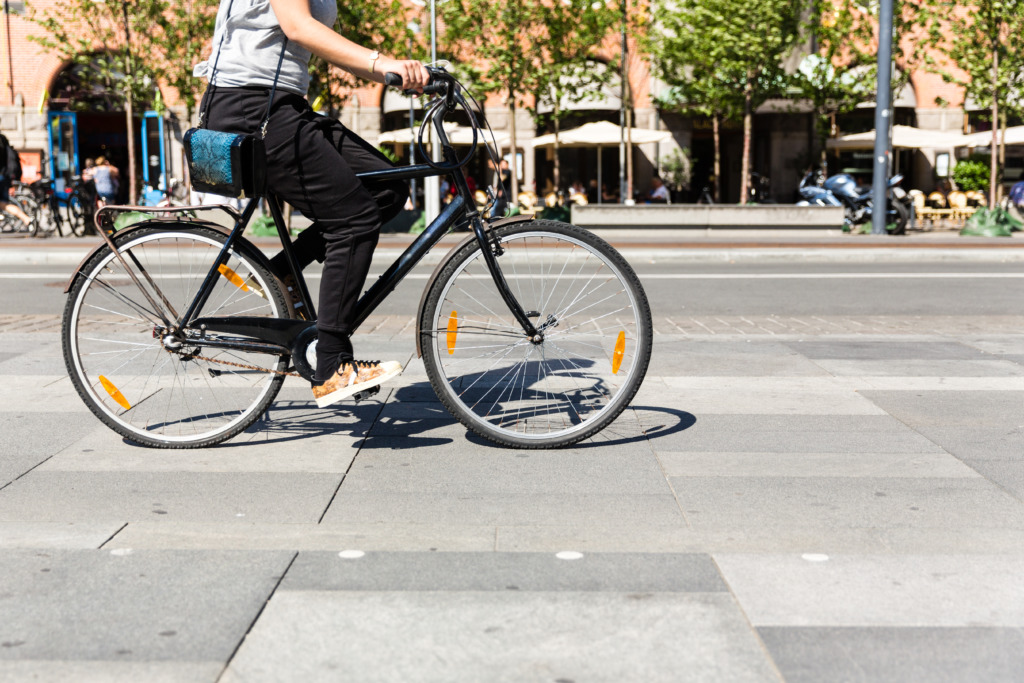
column 251, row 47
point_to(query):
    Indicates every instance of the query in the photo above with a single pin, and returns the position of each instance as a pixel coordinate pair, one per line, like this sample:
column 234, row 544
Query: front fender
column 521, row 218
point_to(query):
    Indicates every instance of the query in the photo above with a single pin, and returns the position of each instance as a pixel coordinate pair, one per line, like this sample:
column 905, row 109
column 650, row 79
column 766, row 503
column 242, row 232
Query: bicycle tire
column 76, row 215
column 563, row 389
column 135, row 384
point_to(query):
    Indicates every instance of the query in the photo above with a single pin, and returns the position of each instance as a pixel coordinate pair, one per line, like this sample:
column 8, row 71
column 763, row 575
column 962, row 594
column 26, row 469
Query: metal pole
column 412, row 139
column 883, row 121
column 432, row 185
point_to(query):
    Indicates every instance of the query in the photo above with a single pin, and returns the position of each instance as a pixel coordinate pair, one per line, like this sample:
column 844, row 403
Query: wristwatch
column 374, row 56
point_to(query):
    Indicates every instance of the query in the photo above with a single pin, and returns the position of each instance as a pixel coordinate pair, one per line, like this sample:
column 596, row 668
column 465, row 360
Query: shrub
column 972, row 173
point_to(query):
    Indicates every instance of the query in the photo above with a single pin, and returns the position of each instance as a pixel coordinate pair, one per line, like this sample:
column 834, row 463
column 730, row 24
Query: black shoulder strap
column 213, row 72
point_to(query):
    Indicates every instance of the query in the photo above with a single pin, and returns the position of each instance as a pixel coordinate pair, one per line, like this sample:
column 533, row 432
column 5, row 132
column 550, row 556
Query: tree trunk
column 993, row 173
column 129, row 113
column 747, row 125
column 129, row 116
column 718, row 160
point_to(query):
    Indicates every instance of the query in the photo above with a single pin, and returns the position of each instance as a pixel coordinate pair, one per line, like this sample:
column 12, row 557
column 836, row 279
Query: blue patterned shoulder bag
column 229, row 164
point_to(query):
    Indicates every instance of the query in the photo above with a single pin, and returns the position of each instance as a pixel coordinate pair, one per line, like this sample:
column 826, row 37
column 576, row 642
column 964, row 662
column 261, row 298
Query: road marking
column 643, row 276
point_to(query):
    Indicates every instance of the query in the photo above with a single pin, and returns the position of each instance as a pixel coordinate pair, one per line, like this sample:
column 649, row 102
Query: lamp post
column 883, row 122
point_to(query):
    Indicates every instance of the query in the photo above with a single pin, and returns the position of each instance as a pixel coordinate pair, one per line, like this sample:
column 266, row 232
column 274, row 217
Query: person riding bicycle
column 312, row 160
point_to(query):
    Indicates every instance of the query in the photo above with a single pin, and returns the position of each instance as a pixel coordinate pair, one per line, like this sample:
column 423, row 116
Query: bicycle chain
column 248, row 367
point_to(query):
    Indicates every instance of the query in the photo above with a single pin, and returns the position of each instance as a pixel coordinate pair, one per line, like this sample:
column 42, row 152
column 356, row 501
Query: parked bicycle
column 533, row 333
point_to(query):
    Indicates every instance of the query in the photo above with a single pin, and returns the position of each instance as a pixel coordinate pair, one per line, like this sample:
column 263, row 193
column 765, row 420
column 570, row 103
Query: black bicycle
column 533, row 333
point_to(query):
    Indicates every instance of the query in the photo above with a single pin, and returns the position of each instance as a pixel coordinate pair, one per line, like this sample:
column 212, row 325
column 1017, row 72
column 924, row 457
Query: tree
column 840, row 71
column 106, row 39
column 986, row 43
column 180, row 34
column 725, row 57
column 564, row 73
column 497, row 45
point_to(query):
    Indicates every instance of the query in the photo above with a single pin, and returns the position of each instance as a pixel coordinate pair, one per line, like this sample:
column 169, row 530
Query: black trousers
column 312, row 162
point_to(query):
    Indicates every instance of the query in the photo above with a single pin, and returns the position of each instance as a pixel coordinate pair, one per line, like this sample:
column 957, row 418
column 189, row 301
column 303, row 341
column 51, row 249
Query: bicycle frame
column 278, row 335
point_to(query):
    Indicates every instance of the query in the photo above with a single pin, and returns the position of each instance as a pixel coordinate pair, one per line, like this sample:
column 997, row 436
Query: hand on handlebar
column 413, row 75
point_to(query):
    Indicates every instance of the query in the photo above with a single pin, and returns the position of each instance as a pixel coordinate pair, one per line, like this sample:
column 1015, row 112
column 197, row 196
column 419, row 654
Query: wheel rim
column 133, row 378
column 593, row 338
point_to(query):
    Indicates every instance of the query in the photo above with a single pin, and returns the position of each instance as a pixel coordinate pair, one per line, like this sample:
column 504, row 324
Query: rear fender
column 444, row 262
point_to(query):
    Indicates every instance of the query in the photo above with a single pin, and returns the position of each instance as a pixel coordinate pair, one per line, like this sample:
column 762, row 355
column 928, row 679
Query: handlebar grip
column 392, row 79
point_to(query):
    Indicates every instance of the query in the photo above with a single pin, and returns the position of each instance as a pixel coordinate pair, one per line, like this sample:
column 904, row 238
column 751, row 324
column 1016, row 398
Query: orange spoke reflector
column 115, row 393
column 453, row 329
column 620, row 351
column 233, row 277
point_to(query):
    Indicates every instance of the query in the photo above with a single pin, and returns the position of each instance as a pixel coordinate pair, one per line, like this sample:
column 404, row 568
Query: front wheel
column 595, row 327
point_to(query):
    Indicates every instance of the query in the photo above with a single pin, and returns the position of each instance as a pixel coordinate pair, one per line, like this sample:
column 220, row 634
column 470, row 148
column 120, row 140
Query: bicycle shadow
column 412, row 417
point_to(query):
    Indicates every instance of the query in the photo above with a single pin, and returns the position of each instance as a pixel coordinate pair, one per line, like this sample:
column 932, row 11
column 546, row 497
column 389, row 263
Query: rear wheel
column 166, row 389
column 593, row 318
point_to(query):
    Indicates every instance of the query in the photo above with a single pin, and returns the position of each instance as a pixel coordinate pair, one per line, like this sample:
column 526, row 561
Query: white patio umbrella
column 905, row 137
column 600, row 134
column 1014, row 136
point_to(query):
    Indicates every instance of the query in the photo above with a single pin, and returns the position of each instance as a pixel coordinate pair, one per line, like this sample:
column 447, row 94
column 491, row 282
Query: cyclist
column 311, row 159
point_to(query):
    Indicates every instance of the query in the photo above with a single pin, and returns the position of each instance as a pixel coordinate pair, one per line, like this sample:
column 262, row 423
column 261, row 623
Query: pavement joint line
column 352, row 462
column 111, row 537
column 256, row 618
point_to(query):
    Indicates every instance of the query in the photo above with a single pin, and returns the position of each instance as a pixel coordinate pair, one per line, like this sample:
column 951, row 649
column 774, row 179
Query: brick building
column 34, row 84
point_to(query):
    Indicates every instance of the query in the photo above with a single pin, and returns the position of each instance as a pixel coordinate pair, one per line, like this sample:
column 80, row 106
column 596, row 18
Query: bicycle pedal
column 365, row 393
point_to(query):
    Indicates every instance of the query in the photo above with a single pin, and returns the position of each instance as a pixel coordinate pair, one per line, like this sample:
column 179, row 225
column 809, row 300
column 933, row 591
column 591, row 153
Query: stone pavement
column 789, row 498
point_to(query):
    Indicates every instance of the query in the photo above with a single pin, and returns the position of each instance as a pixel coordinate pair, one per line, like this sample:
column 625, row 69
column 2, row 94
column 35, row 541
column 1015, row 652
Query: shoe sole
column 342, row 394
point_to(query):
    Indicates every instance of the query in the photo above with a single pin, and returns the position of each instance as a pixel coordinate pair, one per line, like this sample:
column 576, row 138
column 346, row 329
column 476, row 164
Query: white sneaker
column 351, row 378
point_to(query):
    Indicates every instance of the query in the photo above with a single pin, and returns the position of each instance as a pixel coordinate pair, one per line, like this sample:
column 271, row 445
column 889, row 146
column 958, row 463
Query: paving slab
column 49, row 671
column 896, row 655
column 961, row 409
column 730, row 358
column 884, row 465
column 628, row 470
column 29, row 438
column 25, row 394
column 794, row 434
column 180, row 496
column 781, row 398
column 914, row 367
column 877, row 590
column 502, row 509
column 800, row 502
column 57, row 535
column 148, row 601
column 887, row 350
column 500, row 636
column 502, row 571
column 336, row 537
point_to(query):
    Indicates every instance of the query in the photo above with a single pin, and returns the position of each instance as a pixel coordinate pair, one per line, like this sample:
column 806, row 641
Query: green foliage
column 962, row 46
column 990, row 223
column 972, row 173
column 110, row 41
column 392, row 157
column 677, row 169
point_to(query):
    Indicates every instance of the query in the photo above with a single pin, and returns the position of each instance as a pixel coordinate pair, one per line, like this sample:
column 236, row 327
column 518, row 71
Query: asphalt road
column 678, row 286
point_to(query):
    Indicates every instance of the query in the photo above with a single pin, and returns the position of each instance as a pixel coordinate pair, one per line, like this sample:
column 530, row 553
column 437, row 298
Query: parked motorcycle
column 842, row 190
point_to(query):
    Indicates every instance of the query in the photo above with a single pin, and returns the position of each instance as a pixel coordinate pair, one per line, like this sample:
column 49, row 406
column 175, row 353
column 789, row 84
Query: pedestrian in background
column 10, row 170
column 105, row 177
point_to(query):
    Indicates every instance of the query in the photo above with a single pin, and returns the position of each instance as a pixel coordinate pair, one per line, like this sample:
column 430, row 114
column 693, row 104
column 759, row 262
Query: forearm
column 332, row 47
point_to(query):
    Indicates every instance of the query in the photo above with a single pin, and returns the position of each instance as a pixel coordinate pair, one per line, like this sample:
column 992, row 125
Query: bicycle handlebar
column 437, row 83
